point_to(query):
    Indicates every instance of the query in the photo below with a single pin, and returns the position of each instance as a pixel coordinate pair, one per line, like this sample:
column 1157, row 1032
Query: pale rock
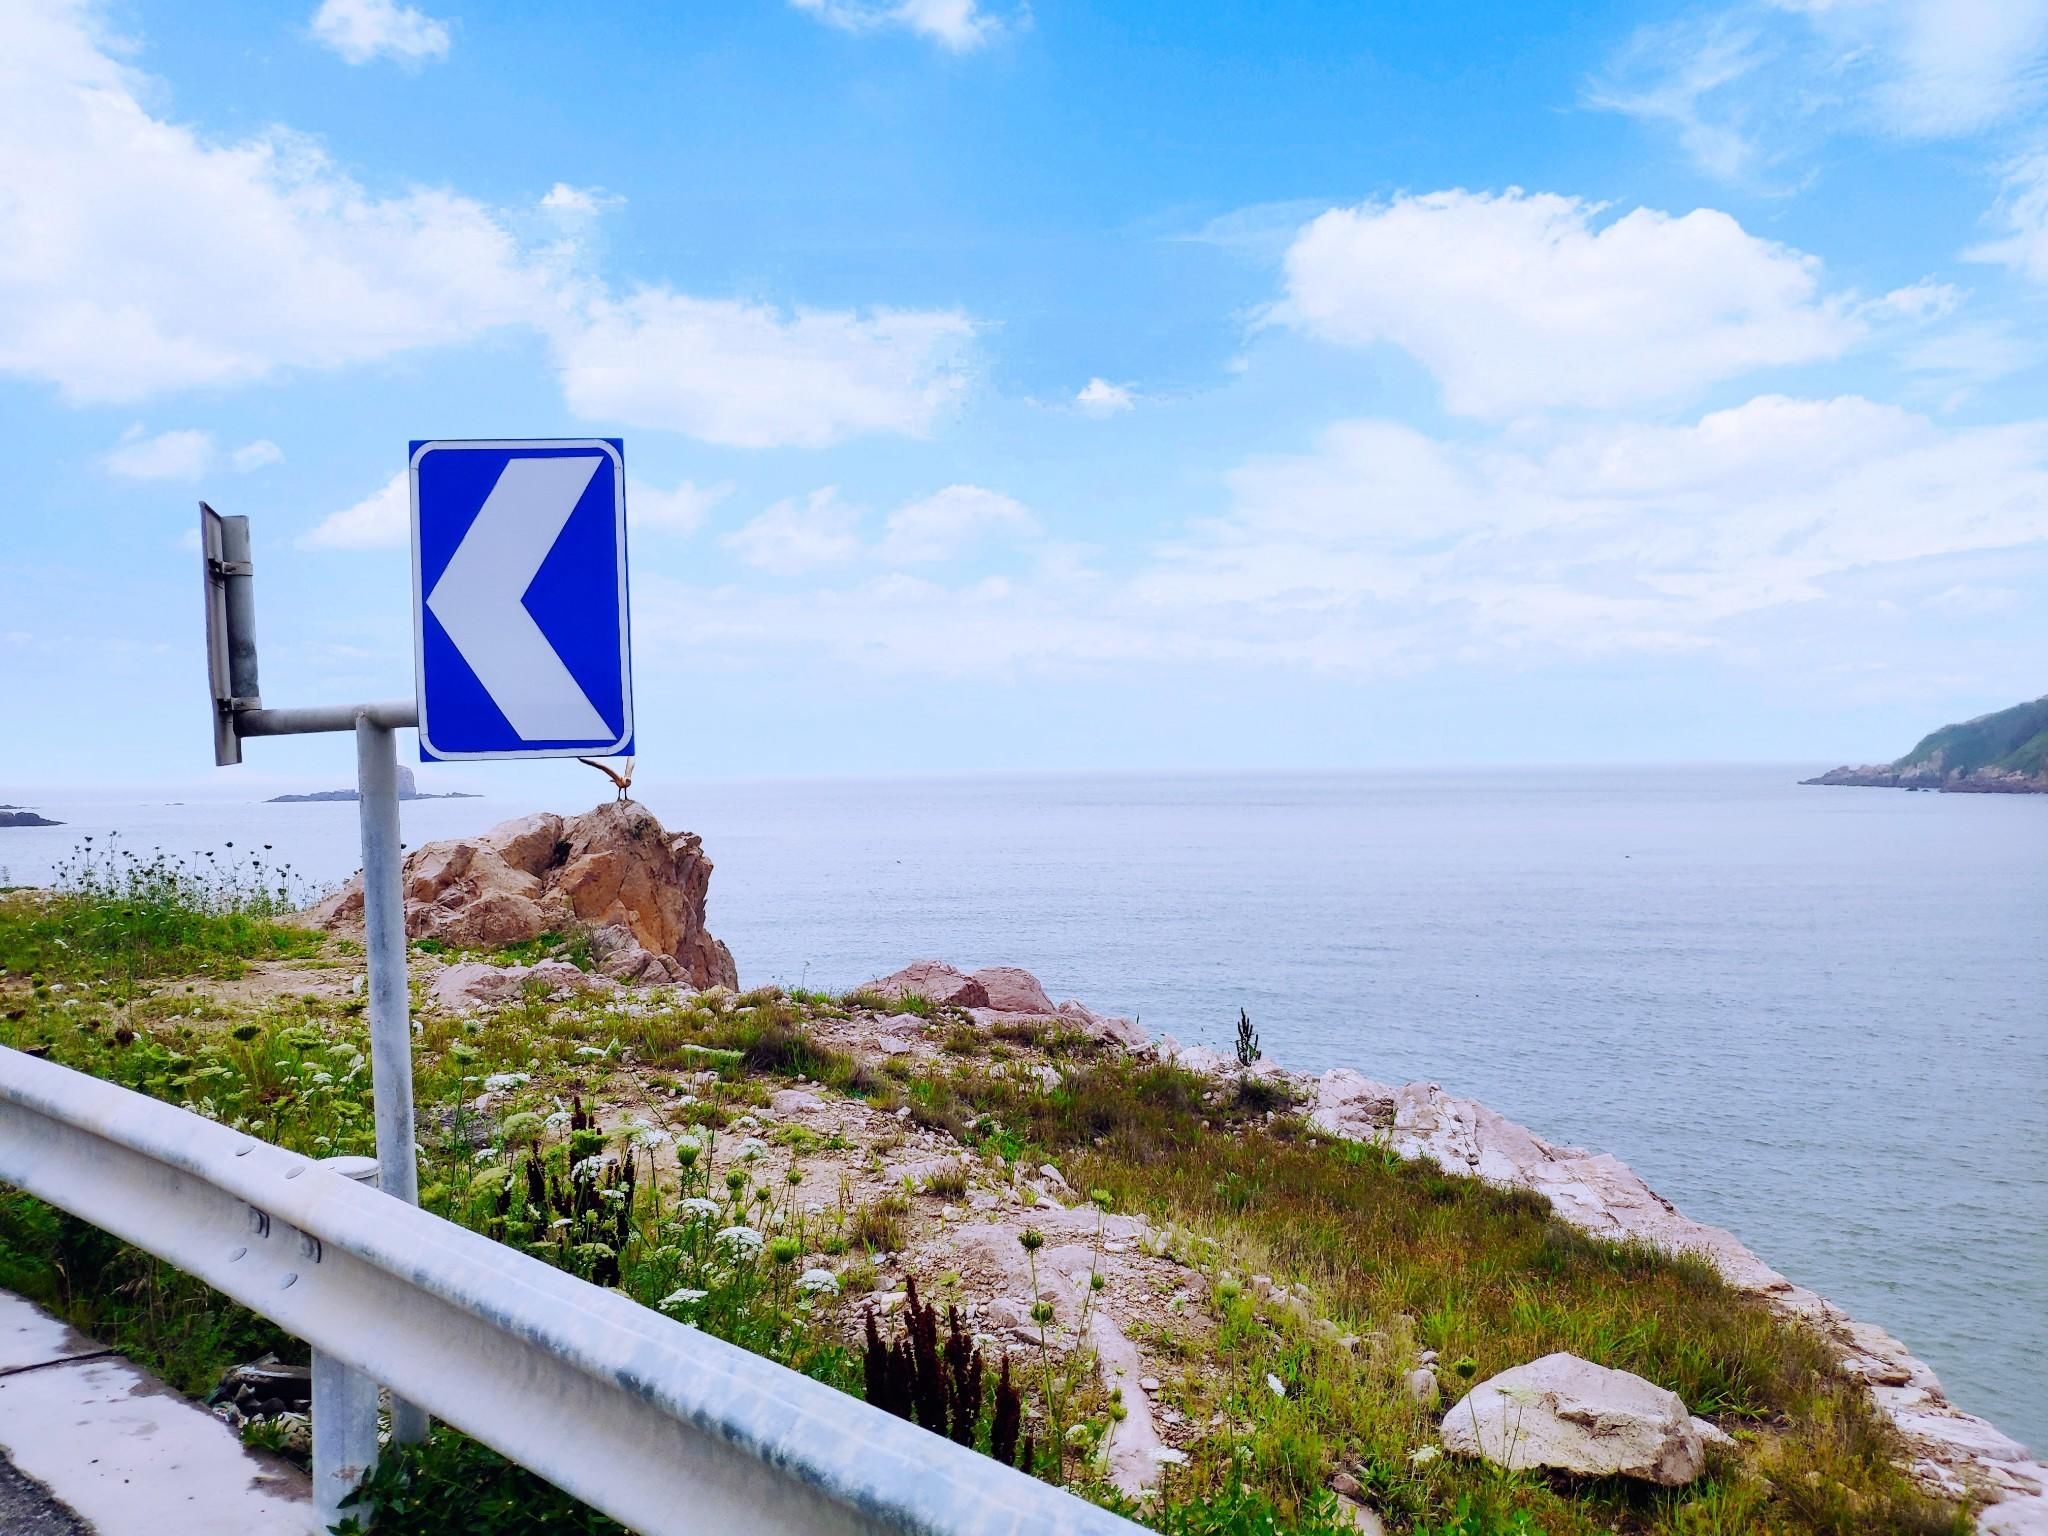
column 474, row 984
column 1713, row 1433
column 795, row 1101
column 1010, row 989
column 2015, row 1517
column 1149, row 1383
column 1198, row 1059
column 933, row 980
column 1422, row 1386
column 1567, row 1414
column 893, row 1045
column 993, row 1250
column 1960, row 1434
column 1109, row 1029
column 1351, row 1105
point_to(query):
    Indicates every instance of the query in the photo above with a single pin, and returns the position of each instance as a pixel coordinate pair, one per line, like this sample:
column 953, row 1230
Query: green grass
column 1396, row 1255
column 1403, row 1255
column 114, row 920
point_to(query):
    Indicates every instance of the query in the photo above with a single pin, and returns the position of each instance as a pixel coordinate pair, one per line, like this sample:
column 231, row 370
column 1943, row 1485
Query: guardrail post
column 344, row 1408
column 390, row 998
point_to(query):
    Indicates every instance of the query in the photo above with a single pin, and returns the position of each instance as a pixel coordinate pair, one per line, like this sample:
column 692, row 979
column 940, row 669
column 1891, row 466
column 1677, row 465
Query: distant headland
column 17, row 816
column 407, row 790
column 1999, row 754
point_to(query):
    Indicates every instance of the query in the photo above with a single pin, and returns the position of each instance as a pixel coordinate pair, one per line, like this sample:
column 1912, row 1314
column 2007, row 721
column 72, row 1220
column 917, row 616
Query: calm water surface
column 1816, row 1016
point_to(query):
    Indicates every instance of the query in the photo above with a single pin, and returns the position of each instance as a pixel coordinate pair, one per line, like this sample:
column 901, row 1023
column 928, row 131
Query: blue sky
column 1055, row 387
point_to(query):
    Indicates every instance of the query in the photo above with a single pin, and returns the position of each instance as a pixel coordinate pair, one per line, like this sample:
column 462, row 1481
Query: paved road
column 90, row 1445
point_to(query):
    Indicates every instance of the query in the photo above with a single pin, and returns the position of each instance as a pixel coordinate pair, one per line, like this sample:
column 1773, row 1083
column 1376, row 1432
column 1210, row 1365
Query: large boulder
column 1565, row 1414
column 1011, row 989
column 614, row 870
column 933, row 980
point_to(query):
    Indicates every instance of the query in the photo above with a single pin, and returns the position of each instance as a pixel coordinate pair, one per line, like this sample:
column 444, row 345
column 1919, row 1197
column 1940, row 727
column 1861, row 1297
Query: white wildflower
column 1424, row 1456
column 558, row 1121
column 685, row 1297
column 592, row 1165
column 818, row 1282
column 498, row 1082
column 697, row 1205
column 740, row 1242
column 589, row 1050
column 1167, row 1456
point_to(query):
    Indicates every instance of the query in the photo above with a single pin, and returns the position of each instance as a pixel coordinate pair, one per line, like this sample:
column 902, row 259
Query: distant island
column 18, row 816
column 407, row 790
column 2000, row 754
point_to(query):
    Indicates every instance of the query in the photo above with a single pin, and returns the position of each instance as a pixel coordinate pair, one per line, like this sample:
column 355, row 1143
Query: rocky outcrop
column 935, row 982
column 1955, row 781
column 1954, row 1453
column 1079, row 1244
column 998, row 994
column 475, row 985
column 614, row 870
column 1565, row 1414
column 2004, row 753
column 15, row 816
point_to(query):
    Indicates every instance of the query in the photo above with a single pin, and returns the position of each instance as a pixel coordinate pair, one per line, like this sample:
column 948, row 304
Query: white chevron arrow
column 478, row 600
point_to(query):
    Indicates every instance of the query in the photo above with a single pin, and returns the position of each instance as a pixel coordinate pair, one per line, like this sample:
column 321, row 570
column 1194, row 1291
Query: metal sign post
column 344, row 1400
column 522, row 649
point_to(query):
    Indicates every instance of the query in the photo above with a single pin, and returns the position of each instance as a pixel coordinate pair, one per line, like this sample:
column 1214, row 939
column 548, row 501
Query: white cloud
column 362, row 30
column 2022, row 213
column 799, row 534
column 1524, row 301
column 1746, row 87
column 960, row 25
column 255, row 455
column 1935, row 68
column 1383, row 549
column 137, row 257
column 939, row 526
column 750, row 376
column 563, row 198
column 381, row 520
column 1679, row 74
column 1099, row 397
column 1619, row 536
column 678, row 511
column 180, row 455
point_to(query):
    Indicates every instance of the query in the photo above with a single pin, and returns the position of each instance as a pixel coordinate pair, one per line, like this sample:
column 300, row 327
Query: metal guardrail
column 659, row 1425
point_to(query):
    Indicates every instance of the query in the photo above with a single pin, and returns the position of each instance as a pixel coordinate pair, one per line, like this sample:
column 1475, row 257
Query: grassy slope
column 1396, row 1253
column 2014, row 740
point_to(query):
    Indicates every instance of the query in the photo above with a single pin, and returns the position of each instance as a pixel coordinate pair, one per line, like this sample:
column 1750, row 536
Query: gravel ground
column 27, row 1508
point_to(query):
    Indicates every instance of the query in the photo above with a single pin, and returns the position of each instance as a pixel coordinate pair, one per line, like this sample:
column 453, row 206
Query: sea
column 1815, row 1016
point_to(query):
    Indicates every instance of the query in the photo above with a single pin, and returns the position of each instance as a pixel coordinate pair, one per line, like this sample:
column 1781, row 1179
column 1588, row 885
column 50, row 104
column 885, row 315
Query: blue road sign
column 519, row 599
